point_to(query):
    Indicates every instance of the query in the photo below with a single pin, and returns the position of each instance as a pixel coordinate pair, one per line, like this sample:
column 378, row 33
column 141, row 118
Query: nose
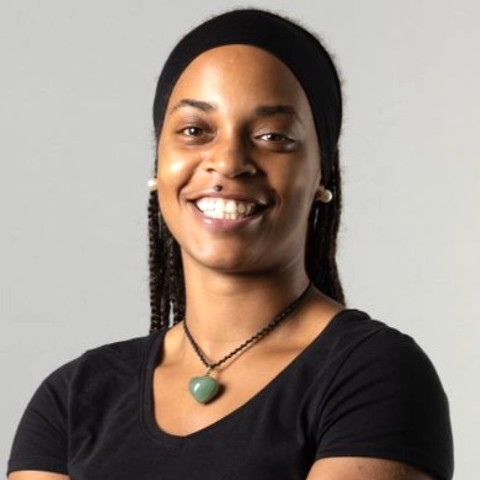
column 230, row 158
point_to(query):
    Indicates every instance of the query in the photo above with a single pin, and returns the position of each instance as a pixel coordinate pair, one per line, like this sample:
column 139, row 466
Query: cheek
column 174, row 169
column 171, row 176
column 299, row 182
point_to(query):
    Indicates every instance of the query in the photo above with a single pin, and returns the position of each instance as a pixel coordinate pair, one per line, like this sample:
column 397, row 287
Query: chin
column 227, row 264
column 232, row 260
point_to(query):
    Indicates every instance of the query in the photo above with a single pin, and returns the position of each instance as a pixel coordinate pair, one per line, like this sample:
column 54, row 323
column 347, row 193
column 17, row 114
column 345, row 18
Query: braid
column 321, row 246
column 167, row 288
column 174, row 274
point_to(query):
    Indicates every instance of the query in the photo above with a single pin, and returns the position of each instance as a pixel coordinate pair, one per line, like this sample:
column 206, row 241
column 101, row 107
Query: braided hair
column 317, row 74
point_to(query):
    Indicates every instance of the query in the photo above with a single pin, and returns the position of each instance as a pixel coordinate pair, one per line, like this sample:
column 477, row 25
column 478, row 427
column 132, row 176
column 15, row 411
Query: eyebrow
column 270, row 110
column 190, row 102
column 260, row 111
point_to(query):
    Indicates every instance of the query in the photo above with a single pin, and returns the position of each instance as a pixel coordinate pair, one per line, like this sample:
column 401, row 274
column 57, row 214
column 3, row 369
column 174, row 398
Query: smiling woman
column 254, row 367
column 227, row 124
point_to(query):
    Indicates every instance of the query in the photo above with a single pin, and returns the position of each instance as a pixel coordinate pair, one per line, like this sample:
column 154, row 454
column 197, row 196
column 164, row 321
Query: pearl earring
column 152, row 184
column 325, row 195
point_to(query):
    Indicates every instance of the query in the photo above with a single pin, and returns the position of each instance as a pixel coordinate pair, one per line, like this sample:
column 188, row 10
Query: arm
column 32, row 475
column 40, row 445
column 361, row 468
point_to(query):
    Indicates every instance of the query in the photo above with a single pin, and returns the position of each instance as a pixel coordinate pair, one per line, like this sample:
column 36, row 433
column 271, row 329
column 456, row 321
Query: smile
column 226, row 208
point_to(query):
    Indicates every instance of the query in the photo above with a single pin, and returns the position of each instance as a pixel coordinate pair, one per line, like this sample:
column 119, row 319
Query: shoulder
column 367, row 349
column 127, row 352
column 118, row 358
column 359, row 337
column 101, row 376
column 372, row 363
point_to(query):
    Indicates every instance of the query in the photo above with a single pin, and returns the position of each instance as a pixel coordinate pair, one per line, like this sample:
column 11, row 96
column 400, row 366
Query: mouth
column 228, row 208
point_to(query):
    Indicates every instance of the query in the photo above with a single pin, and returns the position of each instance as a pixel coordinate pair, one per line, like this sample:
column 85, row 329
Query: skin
column 239, row 118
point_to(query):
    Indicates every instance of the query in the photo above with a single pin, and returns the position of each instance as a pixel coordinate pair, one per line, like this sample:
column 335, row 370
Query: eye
column 276, row 142
column 276, row 137
column 192, row 131
column 194, row 134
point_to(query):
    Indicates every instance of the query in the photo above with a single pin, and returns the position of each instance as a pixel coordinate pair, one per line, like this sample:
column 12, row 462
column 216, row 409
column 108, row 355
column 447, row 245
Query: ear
column 323, row 194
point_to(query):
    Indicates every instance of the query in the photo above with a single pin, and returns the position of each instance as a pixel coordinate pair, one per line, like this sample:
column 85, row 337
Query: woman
column 263, row 372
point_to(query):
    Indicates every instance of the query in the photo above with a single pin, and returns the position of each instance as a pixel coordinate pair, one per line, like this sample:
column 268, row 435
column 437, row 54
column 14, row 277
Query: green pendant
column 204, row 389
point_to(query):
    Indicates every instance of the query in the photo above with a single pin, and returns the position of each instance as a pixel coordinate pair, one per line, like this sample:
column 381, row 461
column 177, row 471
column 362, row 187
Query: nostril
column 231, row 168
column 250, row 167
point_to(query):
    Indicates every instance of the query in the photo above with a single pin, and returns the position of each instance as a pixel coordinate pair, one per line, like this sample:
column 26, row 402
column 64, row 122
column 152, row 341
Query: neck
column 224, row 310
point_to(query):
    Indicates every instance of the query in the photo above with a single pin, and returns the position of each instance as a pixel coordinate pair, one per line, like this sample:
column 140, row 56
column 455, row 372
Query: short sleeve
column 41, row 440
column 386, row 401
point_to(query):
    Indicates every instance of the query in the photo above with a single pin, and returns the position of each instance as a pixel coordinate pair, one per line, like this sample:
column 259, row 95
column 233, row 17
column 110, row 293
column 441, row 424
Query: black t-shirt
column 359, row 389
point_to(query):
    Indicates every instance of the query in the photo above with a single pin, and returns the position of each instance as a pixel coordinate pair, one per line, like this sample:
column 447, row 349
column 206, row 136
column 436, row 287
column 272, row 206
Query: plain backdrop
column 76, row 88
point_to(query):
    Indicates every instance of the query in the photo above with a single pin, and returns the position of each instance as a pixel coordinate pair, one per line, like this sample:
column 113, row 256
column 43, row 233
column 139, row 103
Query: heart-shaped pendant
column 203, row 389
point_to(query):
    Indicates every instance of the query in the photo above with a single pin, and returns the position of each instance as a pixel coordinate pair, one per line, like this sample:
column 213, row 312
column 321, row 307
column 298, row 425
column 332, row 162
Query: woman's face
column 238, row 118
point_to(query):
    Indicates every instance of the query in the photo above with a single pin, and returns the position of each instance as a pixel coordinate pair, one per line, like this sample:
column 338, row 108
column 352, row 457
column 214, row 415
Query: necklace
column 204, row 389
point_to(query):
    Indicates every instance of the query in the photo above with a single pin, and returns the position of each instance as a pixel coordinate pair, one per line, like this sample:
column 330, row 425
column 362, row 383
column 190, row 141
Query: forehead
column 239, row 71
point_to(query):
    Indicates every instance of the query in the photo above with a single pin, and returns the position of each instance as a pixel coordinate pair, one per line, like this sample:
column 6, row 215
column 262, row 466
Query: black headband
column 293, row 45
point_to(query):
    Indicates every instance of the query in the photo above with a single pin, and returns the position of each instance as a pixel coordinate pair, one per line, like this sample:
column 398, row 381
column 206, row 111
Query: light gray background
column 76, row 87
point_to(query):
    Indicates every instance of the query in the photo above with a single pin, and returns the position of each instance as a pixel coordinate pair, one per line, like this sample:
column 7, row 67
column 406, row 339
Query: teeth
column 225, row 209
column 230, row 207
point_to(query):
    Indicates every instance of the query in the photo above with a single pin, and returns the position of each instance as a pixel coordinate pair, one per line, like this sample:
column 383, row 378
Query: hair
column 167, row 283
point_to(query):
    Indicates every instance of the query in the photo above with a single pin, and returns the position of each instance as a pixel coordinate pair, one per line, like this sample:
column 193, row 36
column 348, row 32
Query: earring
column 325, row 195
column 152, row 184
